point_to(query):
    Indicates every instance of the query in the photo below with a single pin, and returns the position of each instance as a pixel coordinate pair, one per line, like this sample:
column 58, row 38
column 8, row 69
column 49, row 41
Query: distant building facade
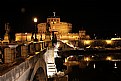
column 63, row 31
column 55, row 25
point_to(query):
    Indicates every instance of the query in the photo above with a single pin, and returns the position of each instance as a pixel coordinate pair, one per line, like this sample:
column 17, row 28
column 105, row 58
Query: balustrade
column 17, row 70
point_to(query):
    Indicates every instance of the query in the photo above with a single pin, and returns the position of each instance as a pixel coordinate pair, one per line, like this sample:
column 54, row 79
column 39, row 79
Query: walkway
column 50, row 62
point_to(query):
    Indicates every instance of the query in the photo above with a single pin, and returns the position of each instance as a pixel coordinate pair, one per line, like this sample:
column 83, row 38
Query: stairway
column 51, row 69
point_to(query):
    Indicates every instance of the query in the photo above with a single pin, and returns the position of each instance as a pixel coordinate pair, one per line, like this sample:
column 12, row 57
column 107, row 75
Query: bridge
column 40, row 62
column 27, row 70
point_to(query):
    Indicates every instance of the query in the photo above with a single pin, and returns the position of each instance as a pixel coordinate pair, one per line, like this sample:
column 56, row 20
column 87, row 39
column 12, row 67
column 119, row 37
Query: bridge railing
column 18, row 70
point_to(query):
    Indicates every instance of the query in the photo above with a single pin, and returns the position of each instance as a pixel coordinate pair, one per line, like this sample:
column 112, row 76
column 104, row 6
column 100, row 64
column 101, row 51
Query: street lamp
column 35, row 21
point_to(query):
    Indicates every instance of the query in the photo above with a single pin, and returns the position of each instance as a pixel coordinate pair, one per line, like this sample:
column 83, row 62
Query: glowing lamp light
column 87, row 58
column 109, row 41
column 87, row 42
column 35, row 19
column 26, row 33
column 109, row 58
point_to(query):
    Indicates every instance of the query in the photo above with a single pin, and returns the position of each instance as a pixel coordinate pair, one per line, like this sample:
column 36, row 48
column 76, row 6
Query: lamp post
column 35, row 21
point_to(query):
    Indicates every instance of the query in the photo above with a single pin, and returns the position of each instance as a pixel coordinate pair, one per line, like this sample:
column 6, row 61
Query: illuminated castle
column 63, row 31
column 55, row 25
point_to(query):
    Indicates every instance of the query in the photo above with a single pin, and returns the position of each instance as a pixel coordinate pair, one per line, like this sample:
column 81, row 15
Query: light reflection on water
column 100, row 67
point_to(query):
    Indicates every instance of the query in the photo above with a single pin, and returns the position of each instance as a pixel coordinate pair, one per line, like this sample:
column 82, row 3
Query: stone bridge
column 38, row 67
column 27, row 70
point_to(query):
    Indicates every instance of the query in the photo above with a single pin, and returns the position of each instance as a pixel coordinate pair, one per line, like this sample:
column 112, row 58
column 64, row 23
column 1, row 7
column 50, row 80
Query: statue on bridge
column 7, row 31
column 47, row 34
column 47, row 28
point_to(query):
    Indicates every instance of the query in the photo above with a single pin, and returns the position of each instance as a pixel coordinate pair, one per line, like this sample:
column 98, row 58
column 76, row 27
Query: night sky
column 95, row 16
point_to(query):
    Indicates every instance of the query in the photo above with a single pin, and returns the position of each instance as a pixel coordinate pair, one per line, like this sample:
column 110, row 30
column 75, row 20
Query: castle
column 62, row 30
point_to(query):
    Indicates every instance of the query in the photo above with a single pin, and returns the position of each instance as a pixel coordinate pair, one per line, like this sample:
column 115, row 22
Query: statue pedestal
column 6, row 38
column 47, row 38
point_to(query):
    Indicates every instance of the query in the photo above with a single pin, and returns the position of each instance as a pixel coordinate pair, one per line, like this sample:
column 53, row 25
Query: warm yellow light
column 26, row 33
column 87, row 58
column 66, row 60
column 115, row 38
column 109, row 58
column 35, row 19
column 109, row 41
column 87, row 42
column 37, row 52
column 65, row 41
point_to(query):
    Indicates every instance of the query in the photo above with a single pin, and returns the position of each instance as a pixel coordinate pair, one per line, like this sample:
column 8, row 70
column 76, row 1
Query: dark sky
column 96, row 16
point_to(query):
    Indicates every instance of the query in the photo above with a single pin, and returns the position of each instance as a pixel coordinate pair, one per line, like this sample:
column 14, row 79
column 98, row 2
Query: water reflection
column 96, row 67
column 115, row 66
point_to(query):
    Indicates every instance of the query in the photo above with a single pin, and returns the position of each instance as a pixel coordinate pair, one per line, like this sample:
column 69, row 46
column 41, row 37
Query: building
column 62, row 30
column 55, row 25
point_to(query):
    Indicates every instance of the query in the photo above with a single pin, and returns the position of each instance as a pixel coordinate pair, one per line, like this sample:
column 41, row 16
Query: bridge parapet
column 16, row 72
column 20, row 71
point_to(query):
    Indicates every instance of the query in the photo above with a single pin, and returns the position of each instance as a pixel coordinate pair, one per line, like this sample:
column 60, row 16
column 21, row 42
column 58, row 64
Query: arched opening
column 40, row 75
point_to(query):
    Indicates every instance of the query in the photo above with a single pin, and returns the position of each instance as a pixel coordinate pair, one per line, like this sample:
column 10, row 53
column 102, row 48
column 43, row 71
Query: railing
column 18, row 70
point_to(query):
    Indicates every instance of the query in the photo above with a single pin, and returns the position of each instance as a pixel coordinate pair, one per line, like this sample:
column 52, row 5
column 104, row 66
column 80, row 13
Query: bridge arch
column 39, row 66
column 40, row 75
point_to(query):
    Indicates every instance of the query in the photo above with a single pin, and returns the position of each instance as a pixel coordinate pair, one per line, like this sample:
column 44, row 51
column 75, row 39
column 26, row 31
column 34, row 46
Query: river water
column 98, row 67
